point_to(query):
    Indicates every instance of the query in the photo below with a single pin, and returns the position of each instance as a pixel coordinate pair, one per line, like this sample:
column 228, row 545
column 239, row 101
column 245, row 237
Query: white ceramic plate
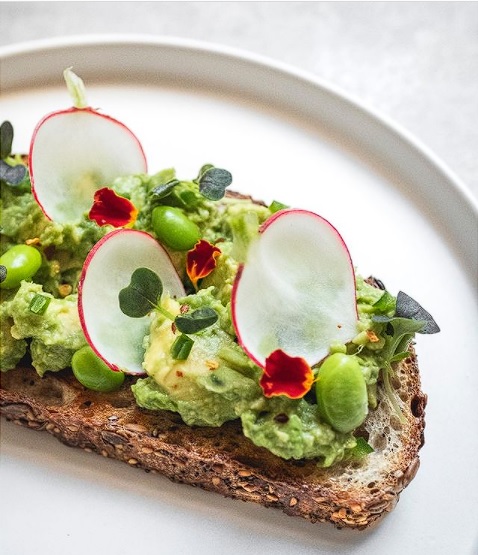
column 283, row 135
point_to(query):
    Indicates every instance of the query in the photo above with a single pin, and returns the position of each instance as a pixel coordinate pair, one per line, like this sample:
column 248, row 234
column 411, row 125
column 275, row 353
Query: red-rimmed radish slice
column 296, row 291
column 75, row 152
column 115, row 337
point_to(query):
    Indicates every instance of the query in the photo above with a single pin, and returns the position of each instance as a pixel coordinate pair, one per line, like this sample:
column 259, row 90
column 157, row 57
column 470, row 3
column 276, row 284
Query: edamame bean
column 174, row 228
column 342, row 392
column 22, row 262
column 93, row 373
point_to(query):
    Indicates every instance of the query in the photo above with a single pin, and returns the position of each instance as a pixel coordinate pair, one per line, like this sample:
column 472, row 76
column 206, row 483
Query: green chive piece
column 362, row 449
column 275, row 206
column 39, row 304
column 181, row 347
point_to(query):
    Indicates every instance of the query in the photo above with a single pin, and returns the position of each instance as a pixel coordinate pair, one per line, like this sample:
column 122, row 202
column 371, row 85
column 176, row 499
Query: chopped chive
column 39, row 304
column 275, row 206
column 362, row 448
column 181, row 347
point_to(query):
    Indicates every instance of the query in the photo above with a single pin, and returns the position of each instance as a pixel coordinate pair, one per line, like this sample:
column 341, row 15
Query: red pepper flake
column 286, row 375
column 372, row 336
column 201, row 261
column 112, row 209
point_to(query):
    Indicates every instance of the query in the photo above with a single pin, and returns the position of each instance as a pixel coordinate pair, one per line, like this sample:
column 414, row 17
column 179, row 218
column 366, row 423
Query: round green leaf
column 213, row 183
column 142, row 294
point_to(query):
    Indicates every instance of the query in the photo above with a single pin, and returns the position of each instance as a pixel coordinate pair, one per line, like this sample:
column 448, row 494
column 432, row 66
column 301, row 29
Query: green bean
column 342, row 392
column 93, row 373
column 174, row 228
column 21, row 262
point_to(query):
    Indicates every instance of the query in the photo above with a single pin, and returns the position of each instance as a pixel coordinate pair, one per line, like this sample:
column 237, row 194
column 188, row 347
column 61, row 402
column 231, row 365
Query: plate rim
column 258, row 60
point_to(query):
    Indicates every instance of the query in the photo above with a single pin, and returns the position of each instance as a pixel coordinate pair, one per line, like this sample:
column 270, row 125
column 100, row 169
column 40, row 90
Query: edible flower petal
column 286, row 375
column 110, row 208
column 201, row 260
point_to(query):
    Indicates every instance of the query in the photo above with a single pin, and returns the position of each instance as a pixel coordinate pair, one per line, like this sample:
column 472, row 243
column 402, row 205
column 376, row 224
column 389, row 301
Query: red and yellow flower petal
column 286, row 375
column 112, row 209
column 201, row 260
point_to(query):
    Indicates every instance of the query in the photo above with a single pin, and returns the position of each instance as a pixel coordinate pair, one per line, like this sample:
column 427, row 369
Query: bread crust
column 222, row 459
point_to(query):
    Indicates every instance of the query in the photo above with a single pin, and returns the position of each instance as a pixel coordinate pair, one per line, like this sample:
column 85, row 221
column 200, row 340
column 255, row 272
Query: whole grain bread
column 354, row 495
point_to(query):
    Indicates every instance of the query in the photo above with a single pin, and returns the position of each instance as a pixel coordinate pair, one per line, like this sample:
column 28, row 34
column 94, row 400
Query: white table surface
column 415, row 62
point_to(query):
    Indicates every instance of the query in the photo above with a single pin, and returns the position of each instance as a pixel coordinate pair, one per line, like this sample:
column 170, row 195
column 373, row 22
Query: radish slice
column 75, row 152
column 296, row 292
column 115, row 337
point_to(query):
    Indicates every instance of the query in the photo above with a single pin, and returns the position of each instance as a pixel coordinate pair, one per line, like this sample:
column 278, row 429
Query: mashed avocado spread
column 217, row 382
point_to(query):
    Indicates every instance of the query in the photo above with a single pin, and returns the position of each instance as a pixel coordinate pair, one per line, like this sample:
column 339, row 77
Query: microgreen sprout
column 143, row 294
column 409, row 318
column 210, row 181
column 11, row 171
column 213, row 181
column 6, row 139
column 76, row 88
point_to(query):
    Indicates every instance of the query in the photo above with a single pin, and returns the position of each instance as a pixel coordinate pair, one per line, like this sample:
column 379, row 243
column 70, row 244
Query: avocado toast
column 239, row 426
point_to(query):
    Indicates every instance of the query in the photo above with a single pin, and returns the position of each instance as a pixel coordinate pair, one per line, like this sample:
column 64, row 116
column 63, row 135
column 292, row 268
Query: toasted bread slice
column 353, row 495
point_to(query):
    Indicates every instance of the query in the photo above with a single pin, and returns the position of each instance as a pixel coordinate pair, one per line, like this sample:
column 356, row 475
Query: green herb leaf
column 142, row 294
column 181, row 347
column 13, row 175
column 213, row 181
column 39, row 304
column 385, row 304
column 184, row 198
column 6, row 139
column 203, row 170
column 398, row 335
column 409, row 308
column 164, row 189
column 400, row 356
column 197, row 320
